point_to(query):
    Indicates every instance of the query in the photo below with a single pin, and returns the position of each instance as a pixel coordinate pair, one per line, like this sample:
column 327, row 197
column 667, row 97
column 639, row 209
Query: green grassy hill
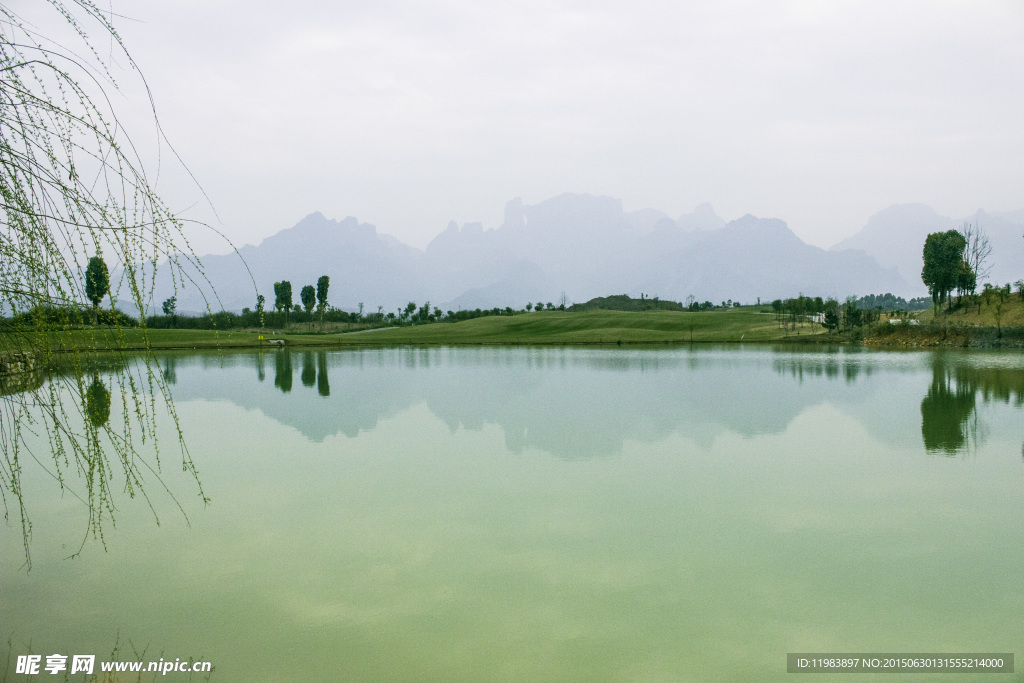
column 594, row 327
column 746, row 324
column 993, row 324
column 1010, row 313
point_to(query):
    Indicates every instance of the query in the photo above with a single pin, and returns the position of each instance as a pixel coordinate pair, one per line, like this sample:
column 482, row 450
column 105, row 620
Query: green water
column 550, row 514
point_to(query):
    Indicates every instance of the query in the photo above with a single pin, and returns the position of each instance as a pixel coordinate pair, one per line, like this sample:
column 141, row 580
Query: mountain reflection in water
column 582, row 403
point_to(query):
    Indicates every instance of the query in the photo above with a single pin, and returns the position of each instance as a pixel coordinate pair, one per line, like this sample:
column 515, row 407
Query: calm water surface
column 550, row 514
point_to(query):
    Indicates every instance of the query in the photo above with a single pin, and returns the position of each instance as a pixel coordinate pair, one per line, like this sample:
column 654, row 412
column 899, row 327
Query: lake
column 548, row 514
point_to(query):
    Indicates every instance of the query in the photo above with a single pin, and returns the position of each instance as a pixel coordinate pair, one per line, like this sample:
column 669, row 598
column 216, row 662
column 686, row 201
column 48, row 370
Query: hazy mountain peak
column 515, row 217
column 915, row 212
column 703, row 217
column 644, row 221
column 772, row 228
column 895, row 237
column 750, row 221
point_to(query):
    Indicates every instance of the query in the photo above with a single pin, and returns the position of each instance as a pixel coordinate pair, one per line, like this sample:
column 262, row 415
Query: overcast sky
column 410, row 114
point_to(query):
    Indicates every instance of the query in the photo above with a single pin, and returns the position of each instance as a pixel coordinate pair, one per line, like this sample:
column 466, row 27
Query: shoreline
column 926, row 338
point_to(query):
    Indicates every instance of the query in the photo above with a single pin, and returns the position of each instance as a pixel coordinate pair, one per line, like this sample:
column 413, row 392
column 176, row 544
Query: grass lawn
column 748, row 324
column 594, row 327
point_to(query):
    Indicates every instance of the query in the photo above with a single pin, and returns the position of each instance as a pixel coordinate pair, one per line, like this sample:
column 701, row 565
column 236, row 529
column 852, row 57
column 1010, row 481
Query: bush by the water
column 70, row 317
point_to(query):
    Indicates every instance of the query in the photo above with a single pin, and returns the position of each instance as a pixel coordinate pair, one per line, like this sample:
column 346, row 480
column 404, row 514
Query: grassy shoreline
column 560, row 328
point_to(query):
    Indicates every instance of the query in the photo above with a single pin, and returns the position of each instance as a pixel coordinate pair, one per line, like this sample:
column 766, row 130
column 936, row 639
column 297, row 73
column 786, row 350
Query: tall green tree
column 943, row 254
column 308, row 296
column 97, row 283
column 283, row 298
column 322, row 285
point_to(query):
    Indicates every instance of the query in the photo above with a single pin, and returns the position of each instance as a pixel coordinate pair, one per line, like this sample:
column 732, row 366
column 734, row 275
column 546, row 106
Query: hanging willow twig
column 72, row 186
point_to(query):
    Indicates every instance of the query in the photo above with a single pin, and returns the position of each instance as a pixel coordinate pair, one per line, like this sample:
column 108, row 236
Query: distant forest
column 891, row 302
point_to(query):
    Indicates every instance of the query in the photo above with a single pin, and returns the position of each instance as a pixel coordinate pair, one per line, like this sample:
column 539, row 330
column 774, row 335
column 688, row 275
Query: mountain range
column 582, row 246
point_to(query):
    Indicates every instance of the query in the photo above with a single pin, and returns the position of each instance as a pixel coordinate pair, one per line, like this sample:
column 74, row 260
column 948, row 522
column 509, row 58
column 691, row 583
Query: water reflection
column 323, row 386
column 283, row 371
column 947, row 408
column 848, row 363
column 169, row 369
column 580, row 403
column 308, row 369
column 949, row 418
column 410, row 540
column 67, row 406
column 97, row 402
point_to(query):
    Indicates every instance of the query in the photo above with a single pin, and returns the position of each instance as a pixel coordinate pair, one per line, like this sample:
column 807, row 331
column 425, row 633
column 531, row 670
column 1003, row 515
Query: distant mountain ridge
column 581, row 245
column 895, row 238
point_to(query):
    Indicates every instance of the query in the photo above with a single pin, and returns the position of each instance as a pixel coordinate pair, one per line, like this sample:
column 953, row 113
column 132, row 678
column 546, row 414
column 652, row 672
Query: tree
column 851, row 313
column 308, row 296
column 977, row 251
column 169, row 308
column 283, row 298
column 71, row 184
column 322, row 284
column 97, row 283
column 943, row 254
column 831, row 322
column 261, row 301
column 966, row 279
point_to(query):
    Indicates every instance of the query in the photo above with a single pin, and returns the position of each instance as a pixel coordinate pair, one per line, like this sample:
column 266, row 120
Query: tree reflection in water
column 313, row 374
column 947, row 409
column 949, row 421
column 170, row 369
column 283, row 370
column 323, row 387
column 308, row 369
column 97, row 402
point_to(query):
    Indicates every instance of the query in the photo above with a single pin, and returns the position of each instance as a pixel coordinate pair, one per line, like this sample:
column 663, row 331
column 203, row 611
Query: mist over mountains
column 586, row 246
column 895, row 238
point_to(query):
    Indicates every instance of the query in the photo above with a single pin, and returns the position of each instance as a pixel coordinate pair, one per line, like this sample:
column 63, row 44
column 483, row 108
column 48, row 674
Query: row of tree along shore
column 954, row 262
column 315, row 315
